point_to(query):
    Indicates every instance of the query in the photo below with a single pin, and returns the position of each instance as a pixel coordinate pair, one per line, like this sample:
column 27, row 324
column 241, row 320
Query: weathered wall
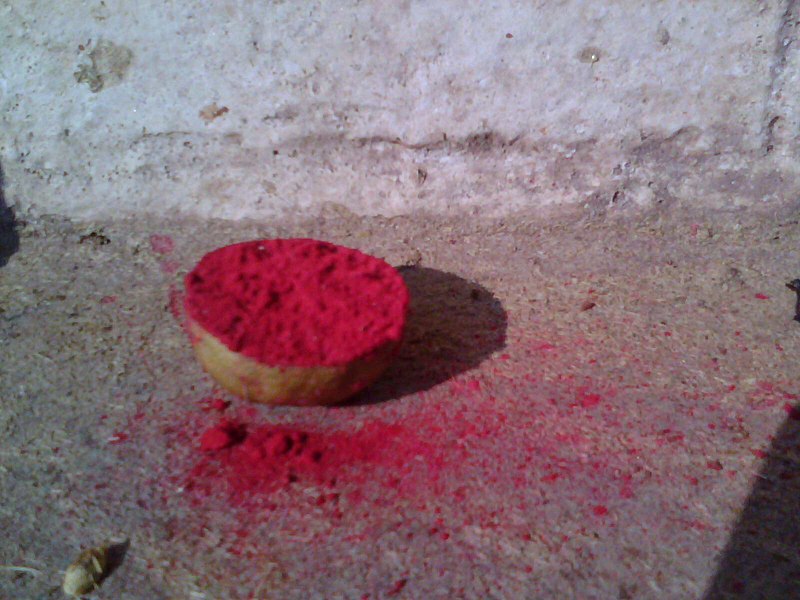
column 257, row 108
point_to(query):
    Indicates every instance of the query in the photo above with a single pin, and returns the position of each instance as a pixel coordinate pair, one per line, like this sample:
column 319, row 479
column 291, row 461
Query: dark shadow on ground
column 762, row 557
column 9, row 238
column 453, row 325
column 115, row 556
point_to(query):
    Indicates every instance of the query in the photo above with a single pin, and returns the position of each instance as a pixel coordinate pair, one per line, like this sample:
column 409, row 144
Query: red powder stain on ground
column 589, row 400
column 698, row 525
column 667, row 436
column 176, row 303
column 758, row 453
column 169, row 266
column 600, row 510
column 473, row 385
column 762, row 297
column 544, row 347
column 118, row 438
column 161, row 244
column 176, row 300
column 108, row 299
column 714, row 465
column 397, row 587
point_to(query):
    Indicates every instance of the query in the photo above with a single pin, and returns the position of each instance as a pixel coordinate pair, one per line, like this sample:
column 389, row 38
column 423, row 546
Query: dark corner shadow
column 453, row 325
column 9, row 238
column 762, row 557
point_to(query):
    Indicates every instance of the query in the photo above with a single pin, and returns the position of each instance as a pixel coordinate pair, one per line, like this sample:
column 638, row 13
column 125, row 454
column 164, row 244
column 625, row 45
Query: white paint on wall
column 257, row 108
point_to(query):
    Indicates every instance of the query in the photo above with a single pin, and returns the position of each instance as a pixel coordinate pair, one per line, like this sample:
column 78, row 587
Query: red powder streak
column 762, row 296
column 161, row 244
column 397, row 587
column 297, row 302
column 600, row 510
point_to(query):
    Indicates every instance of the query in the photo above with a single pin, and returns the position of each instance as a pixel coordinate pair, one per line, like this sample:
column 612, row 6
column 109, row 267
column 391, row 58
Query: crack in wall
column 785, row 37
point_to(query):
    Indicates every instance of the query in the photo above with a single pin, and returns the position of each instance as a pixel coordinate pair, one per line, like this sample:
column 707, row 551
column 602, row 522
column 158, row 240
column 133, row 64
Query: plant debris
column 87, row 572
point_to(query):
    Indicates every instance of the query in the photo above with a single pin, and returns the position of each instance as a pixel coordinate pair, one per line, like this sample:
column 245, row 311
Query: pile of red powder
column 254, row 462
column 297, row 302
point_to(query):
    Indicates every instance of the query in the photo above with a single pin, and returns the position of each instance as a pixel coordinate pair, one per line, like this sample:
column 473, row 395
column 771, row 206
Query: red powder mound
column 224, row 435
column 252, row 464
column 297, row 302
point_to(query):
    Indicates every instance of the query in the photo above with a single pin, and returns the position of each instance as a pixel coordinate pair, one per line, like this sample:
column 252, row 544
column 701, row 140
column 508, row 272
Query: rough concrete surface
column 583, row 408
column 268, row 109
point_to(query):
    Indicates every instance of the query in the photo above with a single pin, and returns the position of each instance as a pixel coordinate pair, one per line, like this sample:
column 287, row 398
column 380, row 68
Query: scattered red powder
column 758, row 453
column 714, row 464
column 600, row 510
column 161, row 244
column 297, row 302
column 217, row 404
column 762, row 296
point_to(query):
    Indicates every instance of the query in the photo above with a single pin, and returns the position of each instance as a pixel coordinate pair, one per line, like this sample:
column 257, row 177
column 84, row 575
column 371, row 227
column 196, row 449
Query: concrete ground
column 584, row 408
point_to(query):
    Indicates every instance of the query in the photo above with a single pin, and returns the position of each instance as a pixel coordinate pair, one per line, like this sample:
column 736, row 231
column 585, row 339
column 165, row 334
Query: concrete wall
column 258, row 108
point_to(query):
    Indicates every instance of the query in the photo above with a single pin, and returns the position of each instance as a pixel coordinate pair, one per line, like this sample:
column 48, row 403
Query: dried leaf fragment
column 86, row 573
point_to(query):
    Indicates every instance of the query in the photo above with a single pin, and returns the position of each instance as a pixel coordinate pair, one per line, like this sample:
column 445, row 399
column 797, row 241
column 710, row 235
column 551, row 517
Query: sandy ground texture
column 600, row 408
